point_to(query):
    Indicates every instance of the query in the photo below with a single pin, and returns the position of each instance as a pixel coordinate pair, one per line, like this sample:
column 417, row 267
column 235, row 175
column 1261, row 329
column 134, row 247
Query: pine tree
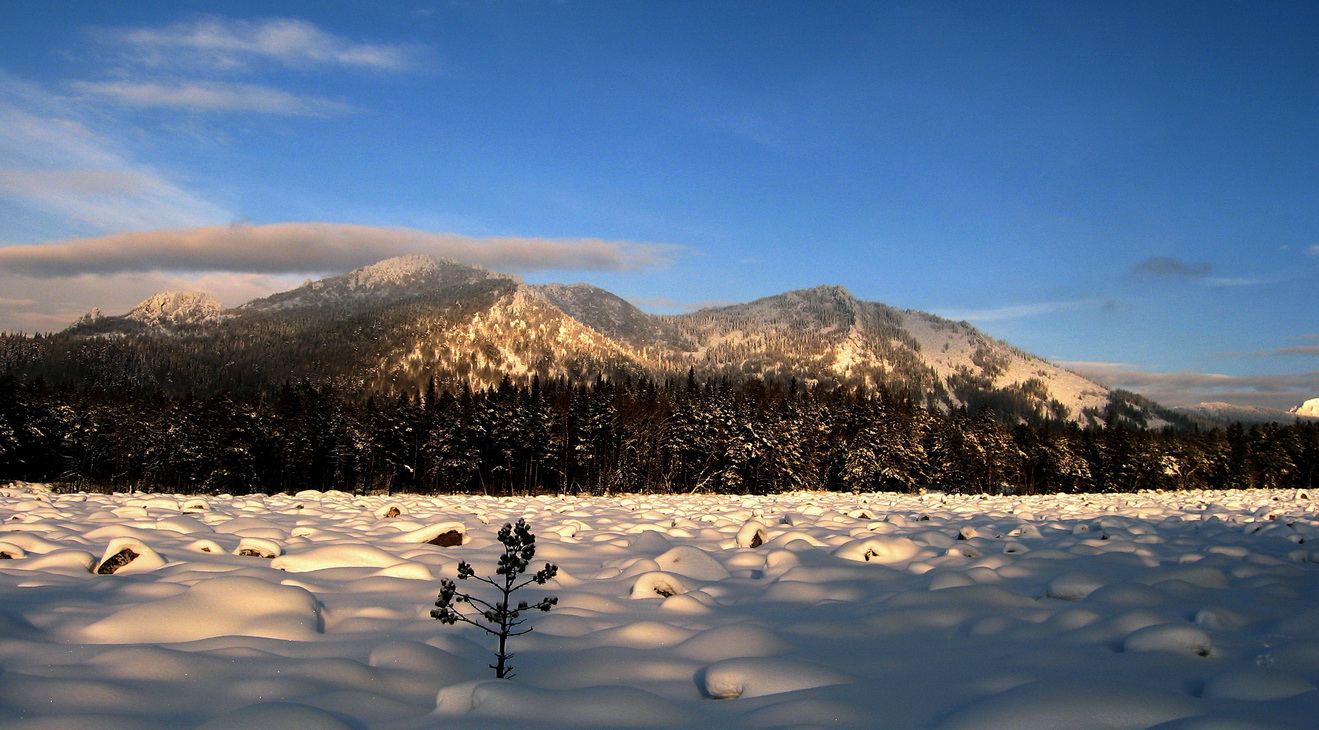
column 499, row 618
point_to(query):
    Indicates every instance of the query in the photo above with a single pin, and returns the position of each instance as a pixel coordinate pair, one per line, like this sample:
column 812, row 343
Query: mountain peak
column 399, row 270
column 401, row 277
column 177, row 308
column 826, row 290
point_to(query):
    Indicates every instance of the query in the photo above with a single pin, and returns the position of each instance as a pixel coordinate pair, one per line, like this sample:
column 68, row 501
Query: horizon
column 1125, row 190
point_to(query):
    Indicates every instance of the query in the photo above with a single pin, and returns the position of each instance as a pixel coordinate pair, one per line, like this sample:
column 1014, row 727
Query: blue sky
column 1130, row 188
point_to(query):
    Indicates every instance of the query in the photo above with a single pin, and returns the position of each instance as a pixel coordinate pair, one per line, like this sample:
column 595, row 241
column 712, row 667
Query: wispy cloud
column 52, row 162
column 1311, row 350
column 227, row 45
column 1017, row 311
column 284, row 248
column 1168, row 267
column 1222, row 281
column 195, row 65
column 214, row 96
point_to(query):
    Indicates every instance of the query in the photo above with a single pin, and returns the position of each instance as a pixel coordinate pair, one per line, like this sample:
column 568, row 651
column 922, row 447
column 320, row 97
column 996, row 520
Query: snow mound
column 729, row 642
column 591, row 706
column 1174, row 638
column 357, row 555
column 1255, row 684
column 1073, row 586
column 220, row 606
column 1073, row 704
column 759, row 676
column 692, row 562
column 277, row 716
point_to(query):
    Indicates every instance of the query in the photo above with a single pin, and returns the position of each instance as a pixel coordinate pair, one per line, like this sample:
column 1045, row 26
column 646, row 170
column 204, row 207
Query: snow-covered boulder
column 658, row 583
column 125, row 555
column 751, row 535
column 257, row 547
column 442, row 534
column 884, row 550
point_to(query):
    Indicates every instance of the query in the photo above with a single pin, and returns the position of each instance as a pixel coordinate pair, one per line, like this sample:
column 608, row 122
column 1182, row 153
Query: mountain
column 395, row 325
column 826, row 334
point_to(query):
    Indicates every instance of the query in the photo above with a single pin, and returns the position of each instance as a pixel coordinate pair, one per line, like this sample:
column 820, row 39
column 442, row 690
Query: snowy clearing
column 1175, row 610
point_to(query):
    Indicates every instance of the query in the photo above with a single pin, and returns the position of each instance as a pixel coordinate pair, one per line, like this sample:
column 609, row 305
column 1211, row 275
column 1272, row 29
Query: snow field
column 1176, row 610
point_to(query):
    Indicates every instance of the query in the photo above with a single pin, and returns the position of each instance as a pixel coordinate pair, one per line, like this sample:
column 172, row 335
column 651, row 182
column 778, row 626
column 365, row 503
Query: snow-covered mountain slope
column 958, row 352
column 519, row 333
column 612, row 316
column 397, row 324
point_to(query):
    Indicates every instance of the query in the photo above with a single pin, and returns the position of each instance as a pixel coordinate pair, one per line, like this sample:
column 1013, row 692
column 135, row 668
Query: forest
column 613, row 435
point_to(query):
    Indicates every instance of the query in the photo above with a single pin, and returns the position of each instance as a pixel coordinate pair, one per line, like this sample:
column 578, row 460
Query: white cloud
column 227, row 44
column 283, row 248
column 211, row 96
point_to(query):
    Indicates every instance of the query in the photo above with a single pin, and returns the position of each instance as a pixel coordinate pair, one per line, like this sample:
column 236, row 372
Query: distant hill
column 395, row 325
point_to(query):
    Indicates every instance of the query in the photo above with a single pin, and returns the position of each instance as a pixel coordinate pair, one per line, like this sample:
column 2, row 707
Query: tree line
column 619, row 435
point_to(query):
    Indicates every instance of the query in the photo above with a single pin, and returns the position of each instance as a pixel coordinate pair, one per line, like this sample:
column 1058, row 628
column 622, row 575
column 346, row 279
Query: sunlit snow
column 1179, row 610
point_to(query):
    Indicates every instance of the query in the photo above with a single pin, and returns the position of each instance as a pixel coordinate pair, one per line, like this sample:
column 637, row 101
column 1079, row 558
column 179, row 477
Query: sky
column 1129, row 189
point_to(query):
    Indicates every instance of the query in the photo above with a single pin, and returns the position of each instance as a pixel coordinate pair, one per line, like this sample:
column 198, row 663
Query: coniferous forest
column 619, row 435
